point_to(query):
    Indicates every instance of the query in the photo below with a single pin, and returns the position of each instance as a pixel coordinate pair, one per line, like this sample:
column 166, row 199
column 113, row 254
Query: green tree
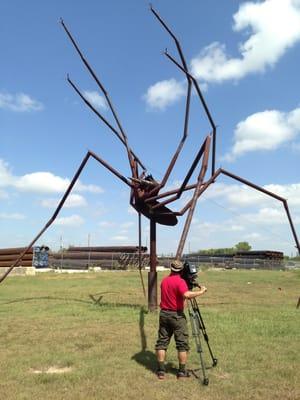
column 225, row 250
column 243, row 246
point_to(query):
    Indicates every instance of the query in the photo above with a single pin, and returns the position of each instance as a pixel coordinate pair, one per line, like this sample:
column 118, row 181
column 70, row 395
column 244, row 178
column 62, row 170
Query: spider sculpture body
column 146, row 194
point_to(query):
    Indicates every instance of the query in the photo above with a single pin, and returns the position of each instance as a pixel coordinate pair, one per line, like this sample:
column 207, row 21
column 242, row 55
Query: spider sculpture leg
column 204, row 151
column 108, row 124
column 61, row 203
column 194, row 200
column 271, row 194
column 187, row 112
column 214, row 174
column 103, row 90
column 134, row 161
column 221, row 171
column 191, row 80
column 203, row 102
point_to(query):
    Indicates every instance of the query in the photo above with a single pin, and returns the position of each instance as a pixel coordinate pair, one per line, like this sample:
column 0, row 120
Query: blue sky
column 245, row 56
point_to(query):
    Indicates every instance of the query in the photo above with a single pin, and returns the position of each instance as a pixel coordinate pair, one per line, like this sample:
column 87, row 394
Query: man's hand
column 191, row 294
column 203, row 289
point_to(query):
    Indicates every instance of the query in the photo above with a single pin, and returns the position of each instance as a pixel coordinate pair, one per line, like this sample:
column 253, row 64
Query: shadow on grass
column 94, row 301
column 25, row 299
column 146, row 357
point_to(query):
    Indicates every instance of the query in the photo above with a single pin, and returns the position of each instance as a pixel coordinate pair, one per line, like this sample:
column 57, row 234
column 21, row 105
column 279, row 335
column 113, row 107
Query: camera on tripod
column 189, row 274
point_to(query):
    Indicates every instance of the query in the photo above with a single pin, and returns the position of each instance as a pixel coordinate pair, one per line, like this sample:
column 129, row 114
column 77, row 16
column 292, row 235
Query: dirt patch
column 51, row 370
column 221, row 375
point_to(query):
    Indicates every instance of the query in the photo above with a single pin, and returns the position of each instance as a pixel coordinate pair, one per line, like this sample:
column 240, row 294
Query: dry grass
column 51, row 324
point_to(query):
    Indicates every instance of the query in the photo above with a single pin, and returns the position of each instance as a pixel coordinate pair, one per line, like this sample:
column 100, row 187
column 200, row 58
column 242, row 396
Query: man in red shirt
column 172, row 320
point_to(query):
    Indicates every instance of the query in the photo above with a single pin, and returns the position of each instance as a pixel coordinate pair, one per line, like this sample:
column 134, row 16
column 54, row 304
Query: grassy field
column 57, row 342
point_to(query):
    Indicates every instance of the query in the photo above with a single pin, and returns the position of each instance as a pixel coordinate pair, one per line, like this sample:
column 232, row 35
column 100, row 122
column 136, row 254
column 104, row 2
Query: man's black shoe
column 183, row 374
column 160, row 374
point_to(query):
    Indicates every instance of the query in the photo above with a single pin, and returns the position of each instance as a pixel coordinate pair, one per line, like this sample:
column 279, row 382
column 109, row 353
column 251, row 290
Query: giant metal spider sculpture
column 146, row 193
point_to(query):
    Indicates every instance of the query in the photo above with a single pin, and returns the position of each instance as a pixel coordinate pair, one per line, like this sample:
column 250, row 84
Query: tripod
column 198, row 327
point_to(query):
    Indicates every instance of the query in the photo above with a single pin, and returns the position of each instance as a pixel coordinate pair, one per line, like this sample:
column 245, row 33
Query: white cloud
column 273, row 27
column 12, row 216
column 80, row 187
column 214, row 227
column 290, row 192
column 263, row 214
column 244, row 196
column 71, row 221
column 5, row 174
column 164, row 93
column 265, row 228
column 19, row 102
column 236, row 228
column 40, row 182
column 120, row 238
column 73, row 200
column 106, row 224
column 267, row 216
column 254, row 236
column 126, row 225
column 95, row 99
column 264, row 131
column 235, row 194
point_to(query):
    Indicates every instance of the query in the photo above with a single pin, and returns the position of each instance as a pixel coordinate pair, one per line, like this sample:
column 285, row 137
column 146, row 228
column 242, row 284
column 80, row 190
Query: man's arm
column 191, row 294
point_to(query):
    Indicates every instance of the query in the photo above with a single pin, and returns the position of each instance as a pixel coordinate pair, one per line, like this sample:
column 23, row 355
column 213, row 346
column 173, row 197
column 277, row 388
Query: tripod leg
column 203, row 329
column 196, row 335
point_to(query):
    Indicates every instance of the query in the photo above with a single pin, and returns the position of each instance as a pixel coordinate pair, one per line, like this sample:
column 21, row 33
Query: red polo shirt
column 173, row 288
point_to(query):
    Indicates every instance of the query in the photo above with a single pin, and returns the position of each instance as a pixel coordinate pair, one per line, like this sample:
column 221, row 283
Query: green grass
column 51, row 321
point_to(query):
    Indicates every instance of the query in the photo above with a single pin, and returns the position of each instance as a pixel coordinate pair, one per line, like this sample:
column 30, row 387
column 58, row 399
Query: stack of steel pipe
column 106, row 257
column 9, row 255
column 262, row 254
column 108, row 249
column 266, row 259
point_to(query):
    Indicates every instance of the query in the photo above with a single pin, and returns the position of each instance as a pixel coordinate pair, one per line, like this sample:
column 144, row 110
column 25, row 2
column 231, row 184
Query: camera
column 189, row 274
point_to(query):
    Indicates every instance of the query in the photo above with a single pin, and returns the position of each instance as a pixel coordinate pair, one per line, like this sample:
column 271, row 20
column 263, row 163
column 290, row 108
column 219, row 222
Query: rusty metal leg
column 152, row 275
column 203, row 150
column 105, row 93
column 203, row 102
column 196, row 195
column 61, row 203
column 102, row 119
column 271, row 194
column 140, row 254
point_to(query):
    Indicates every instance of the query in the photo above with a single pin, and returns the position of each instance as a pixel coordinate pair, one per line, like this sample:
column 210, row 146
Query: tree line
column 241, row 246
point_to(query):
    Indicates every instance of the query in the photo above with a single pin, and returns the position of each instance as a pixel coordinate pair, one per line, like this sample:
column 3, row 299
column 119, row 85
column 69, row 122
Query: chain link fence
column 127, row 261
column 228, row 263
column 115, row 261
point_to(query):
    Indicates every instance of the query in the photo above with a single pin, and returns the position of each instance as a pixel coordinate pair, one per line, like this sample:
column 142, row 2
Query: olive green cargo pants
column 172, row 322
